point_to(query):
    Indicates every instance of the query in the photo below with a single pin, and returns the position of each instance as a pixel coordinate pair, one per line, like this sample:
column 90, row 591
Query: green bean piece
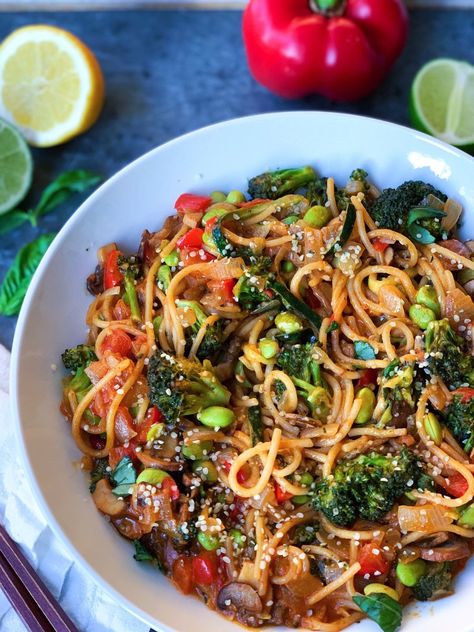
column 172, row 259
column 236, row 197
column 131, row 293
column 216, row 417
column 433, row 428
column 422, row 316
column 427, row 296
column 288, row 266
column 318, row 216
column 410, row 573
column 206, row 470
column 288, row 323
column 268, row 348
column 196, row 451
column 208, row 541
column 218, row 196
column 368, row 405
column 466, row 519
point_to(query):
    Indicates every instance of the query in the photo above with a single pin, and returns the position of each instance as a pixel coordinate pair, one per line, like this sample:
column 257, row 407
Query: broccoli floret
column 366, row 487
column 316, row 194
column 211, row 344
column 392, row 208
column 130, row 268
column 250, row 289
column 435, row 583
column 359, row 175
column 178, row 386
column 445, row 355
column 78, row 357
column 305, row 533
column 273, row 184
column 459, row 418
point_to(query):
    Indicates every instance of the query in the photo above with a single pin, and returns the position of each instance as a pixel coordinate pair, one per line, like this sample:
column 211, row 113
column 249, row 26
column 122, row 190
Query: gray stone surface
column 169, row 72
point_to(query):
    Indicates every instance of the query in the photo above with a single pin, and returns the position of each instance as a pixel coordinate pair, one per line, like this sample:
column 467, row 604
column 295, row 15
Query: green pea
column 288, row 323
column 195, row 451
column 410, row 573
column 172, row 259
column 216, row 417
column 466, row 519
column 157, row 324
column 433, row 428
column 238, row 537
column 306, row 479
column 208, row 541
column 422, row 316
column 288, row 266
column 206, row 470
column 218, row 196
column 318, row 216
column 427, row 296
column 300, row 500
column 213, row 212
column 152, row 476
column 164, row 276
column 368, row 405
column 268, row 348
column 290, row 219
column 235, row 197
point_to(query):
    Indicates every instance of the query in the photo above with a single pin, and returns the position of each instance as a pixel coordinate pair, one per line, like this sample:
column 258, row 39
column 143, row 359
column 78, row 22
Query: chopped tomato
column 117, row 341
column 223, row 288
column 280, row 494
column 465, row 393
column 97, row 442
column 182, row 574
column 192, row 239
column 372, row 561
column 190, row 203
column 124, row 429
column 112, row 274
column 189, row 256
column 380, row 245
column 205, row 568
column 456, row 485
column 118, row 453
column 121, row 310
column 369, row 376
column 169, row 485
column 153, row 416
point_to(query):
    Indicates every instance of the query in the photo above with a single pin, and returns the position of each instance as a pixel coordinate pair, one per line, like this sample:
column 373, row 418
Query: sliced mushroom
column 106, row 502
column 453, row 550
column 237, row 597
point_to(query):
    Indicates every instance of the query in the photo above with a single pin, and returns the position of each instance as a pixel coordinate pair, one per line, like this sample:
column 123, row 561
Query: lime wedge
column 442, row 101
column 16, row 167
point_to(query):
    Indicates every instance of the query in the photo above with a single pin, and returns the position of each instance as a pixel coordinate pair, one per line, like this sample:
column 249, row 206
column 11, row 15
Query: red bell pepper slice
column 192, row 239
column 112, row 274
column 117, row 341
column 205, row 568
column 456, row 485
column 380, row 245
column 153, row 416
column 281, row 495
column 371, row 560
column 190, row 256
column 466, row 393
column 190, row 203
column 223, row 287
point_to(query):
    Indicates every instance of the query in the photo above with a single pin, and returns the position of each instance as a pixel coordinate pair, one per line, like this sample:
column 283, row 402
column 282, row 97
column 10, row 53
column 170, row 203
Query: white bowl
column 140, row 196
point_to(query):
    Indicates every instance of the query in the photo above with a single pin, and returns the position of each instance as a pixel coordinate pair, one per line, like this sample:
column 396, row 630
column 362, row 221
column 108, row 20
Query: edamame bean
column 208, row 541
column 288, row 266
column 216, row 417
column 172, row 259
column 218, row 196
column 317, row 216
column 368, row 405
column 300, row 500
column 268, row 348
column 288, row 323
column 238, row 537
column 206, row 470
column 466, row 519
column 381, row 588
column 290, row 219
column 235, row 197
column 433, row 428
column 306, row 479
column 421, row 315
column 195, row 451
column 410, row 573
column 427, row 296
column 152, row 476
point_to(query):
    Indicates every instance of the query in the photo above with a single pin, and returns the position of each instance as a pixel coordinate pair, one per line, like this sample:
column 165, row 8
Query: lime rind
column 16, row 167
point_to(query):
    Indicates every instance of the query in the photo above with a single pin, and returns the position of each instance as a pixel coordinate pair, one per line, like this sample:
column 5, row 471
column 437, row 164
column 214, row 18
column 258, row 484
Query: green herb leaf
column 364, row 351
column 295, row 305
column 256, row 426
column 124, row 474
column 390, row 368
column 99, row 472
column 20, row 273
column 141, row 553
column 382, row 609
column 334, row 326
column 122, row 490
column 13, row 219
column 346, row 231
column 63, row 187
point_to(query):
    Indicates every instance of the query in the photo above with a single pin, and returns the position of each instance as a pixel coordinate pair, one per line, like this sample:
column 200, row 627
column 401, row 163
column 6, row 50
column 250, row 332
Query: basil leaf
column 63, row 187
column 13, row 219
column 98, row 473
column 122, row 490
column 20, row 273
column 364, row 351
column 382, row 609
column 142, row 554
column 124, row 473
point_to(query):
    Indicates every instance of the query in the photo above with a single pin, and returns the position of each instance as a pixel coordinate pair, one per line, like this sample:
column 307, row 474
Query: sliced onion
column 423, row 518
column 453, row 211
column 232, row 268
column 433, row 202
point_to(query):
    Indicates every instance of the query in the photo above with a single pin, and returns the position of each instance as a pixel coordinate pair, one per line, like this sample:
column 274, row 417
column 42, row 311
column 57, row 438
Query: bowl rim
column 46, row 512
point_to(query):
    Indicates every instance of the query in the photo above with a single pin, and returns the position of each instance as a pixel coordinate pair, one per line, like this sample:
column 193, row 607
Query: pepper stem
column 328, row 7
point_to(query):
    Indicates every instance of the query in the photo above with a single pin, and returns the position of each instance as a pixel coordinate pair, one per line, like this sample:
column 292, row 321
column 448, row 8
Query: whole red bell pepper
column 338, row 48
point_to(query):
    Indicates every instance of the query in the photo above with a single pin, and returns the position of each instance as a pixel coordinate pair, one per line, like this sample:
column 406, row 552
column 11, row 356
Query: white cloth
column 85, row 603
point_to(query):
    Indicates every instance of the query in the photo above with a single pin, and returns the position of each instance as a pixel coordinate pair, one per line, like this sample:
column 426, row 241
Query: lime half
column 16, row 167
column 442, row 102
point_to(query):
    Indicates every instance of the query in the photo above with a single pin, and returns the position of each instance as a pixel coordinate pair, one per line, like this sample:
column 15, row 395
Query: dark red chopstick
column 27, row 593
